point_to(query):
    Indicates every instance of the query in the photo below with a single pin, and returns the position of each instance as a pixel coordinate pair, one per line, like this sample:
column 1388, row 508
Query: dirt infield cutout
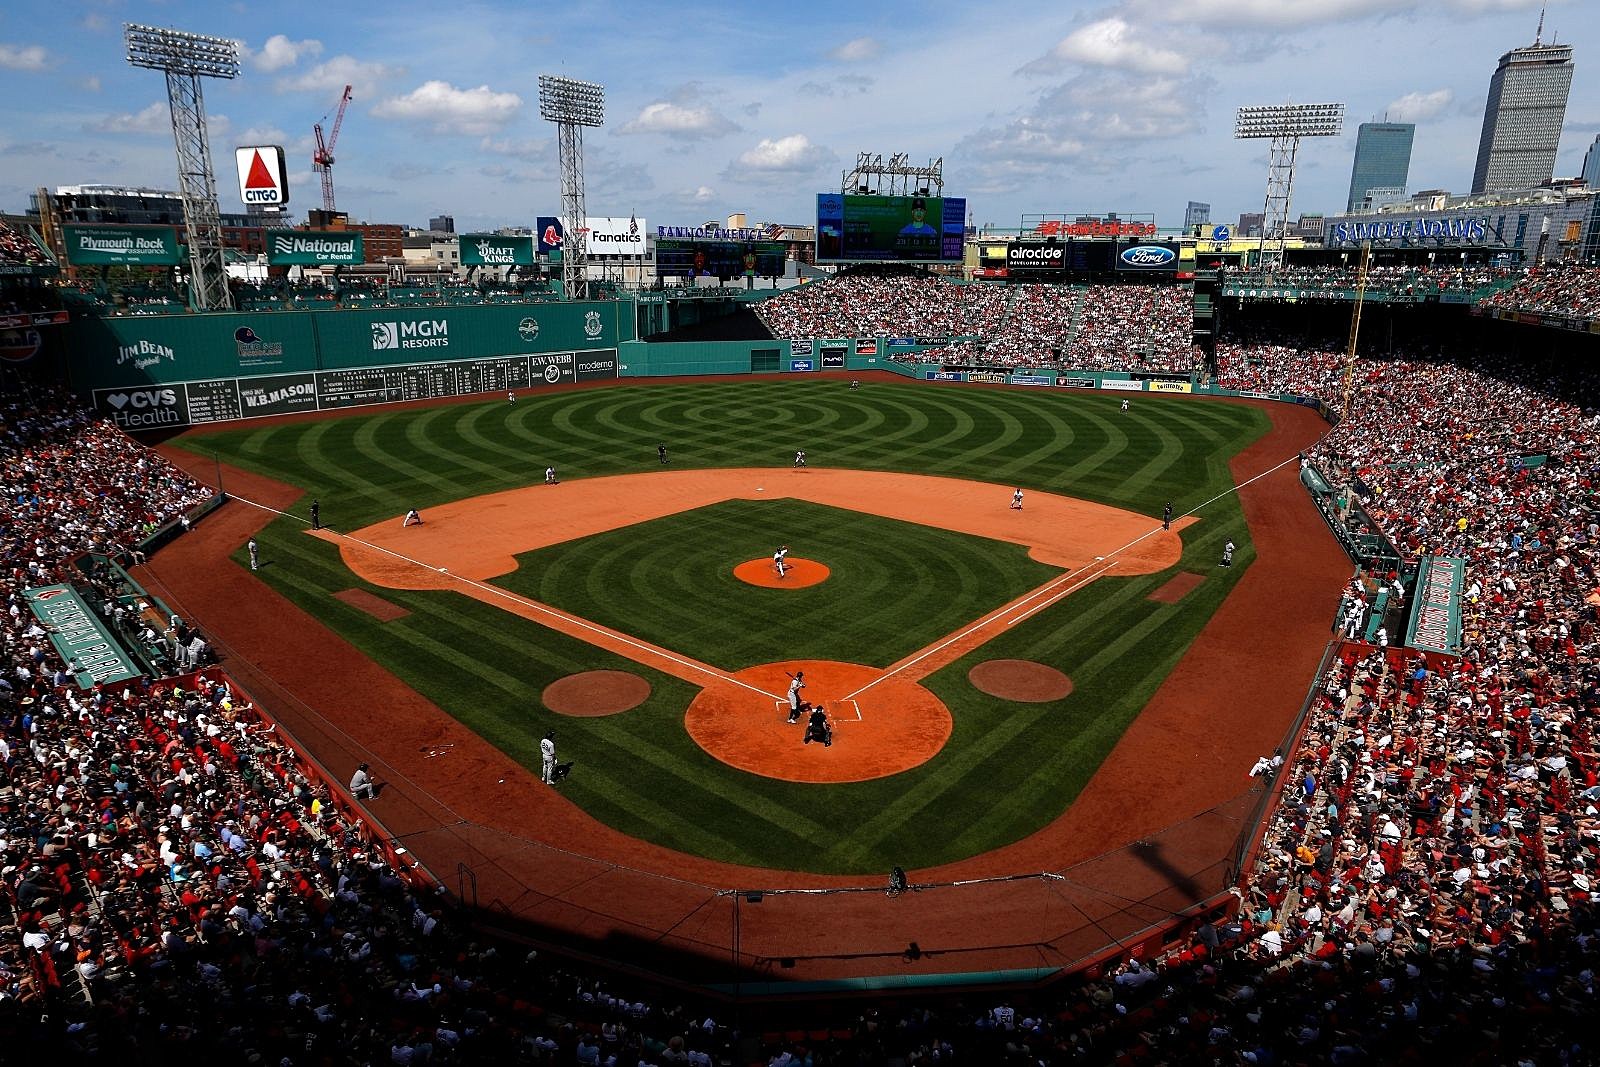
column 800, row 573
column 376, row 606
column 1177, row 587
column 1021, row 680
column 591, row 694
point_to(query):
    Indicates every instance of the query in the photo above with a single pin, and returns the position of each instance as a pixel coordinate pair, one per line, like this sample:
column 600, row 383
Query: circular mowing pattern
column 595, row 693
column 801, row 573
column 1021, row 680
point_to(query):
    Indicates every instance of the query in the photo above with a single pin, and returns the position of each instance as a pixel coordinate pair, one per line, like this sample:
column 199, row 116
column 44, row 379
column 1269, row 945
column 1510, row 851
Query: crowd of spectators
column 171, row 873
column 1565, row 290
column 886, row 302
column 19, row 247
column 1405, row 281
column 1134, row 327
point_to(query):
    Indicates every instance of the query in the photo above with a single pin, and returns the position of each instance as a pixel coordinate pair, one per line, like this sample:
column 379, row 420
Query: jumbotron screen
column 918, row 229
column 676, row 257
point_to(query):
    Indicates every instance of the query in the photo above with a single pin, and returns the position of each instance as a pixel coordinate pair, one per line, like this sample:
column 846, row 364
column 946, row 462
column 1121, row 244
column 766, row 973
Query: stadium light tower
column 1283, row 125
column 572, row 105
column 185, row 58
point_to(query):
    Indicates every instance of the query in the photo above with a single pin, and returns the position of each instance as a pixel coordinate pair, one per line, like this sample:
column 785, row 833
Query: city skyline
column 1382, row 159
column 1523, row 116
column 1126, row 107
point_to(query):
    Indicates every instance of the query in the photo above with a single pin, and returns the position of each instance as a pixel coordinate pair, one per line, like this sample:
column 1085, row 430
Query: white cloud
column 1110, row 42
column 280, row 52
column 155, row 118
column 29, row 57
column 684, row 122
column 91, row 84
column 789, row 155
column 519, row 147
column 701, row 194
column 1281, row 14
column 858, row 50
column 333, row 75
column 263, row 135
column 452, row 110
column 1419, row 107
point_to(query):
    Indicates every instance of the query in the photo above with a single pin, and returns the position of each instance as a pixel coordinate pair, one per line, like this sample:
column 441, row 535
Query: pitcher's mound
column 594, row 693
column 1021, row 680
column 801, row 573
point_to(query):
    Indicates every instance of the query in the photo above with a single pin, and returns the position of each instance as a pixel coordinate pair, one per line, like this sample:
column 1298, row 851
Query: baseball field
column 627, row 567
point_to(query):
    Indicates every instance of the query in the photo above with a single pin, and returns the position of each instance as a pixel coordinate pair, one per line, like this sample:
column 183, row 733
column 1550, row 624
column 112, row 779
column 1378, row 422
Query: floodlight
column 1283, row 125
column 572, row 104
column 185, row 58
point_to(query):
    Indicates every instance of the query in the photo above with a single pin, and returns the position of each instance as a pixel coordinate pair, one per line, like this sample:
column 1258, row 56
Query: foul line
column 554, row 613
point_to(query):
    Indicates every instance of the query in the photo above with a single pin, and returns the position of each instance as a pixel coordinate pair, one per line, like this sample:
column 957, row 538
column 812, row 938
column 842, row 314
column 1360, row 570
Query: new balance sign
column 311, row 247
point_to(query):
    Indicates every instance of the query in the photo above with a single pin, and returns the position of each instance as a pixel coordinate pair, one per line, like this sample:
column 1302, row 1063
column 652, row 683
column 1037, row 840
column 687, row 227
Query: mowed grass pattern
column 894, row 588
column 1008, row 769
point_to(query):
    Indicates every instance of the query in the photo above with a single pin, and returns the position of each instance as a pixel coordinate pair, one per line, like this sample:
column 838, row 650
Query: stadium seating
column 174, row 876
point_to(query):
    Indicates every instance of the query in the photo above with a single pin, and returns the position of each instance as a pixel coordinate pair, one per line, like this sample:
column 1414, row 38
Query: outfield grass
column 895, row 586
column 1009, row 768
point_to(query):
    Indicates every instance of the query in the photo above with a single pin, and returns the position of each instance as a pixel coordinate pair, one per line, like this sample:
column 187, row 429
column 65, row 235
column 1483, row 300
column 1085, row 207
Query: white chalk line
column 554, row 613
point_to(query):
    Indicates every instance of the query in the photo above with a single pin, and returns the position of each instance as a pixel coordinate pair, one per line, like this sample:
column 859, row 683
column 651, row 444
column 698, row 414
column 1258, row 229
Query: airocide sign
column 1036, row 257
column 313, row 247
column 263, row 175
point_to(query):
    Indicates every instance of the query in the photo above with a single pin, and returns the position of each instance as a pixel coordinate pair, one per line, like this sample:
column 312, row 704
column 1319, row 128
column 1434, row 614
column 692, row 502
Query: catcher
column 818, row 728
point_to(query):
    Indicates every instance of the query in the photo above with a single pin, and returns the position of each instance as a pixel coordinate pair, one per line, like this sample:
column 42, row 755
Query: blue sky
column 719, row 108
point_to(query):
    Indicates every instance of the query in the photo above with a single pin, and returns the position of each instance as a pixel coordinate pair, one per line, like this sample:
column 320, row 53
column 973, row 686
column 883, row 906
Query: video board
column 864, row 229
column 677, row 257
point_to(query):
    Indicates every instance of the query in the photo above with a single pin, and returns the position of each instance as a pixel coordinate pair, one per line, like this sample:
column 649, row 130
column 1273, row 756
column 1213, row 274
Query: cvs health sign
column 263, row 176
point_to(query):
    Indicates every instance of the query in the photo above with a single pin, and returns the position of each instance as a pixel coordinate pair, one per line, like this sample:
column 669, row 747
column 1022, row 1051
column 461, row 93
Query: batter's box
column 839, row 711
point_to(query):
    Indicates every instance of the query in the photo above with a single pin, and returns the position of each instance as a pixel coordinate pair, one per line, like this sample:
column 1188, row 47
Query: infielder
column 547, row 751
column 796, row 683
column 412, row 519
column 1016, row 500
column 550, row 476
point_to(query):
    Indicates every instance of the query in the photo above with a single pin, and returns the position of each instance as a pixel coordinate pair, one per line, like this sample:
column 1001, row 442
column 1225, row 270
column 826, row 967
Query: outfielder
column 255, row 555
column 800, row 458
column 796, row 683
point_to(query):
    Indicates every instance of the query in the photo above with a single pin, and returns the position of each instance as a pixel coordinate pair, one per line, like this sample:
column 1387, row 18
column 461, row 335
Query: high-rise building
column 1522, row 119
column 442, row 224
column 1591, row 164
column 1196, row 214
column 1383, row 159
column 1250, row 223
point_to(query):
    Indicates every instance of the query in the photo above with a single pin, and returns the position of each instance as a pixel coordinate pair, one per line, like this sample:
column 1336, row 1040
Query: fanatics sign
column 263, row 176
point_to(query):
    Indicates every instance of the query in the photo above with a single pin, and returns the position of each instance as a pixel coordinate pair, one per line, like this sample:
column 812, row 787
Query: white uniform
column 547, row 749
column 1016, row 500
column 800, row 458
column 795, row 685
column 1124, row 405
column 255, row 555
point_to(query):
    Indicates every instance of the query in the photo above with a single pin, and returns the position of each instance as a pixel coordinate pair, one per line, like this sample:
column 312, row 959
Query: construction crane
column 322, row 158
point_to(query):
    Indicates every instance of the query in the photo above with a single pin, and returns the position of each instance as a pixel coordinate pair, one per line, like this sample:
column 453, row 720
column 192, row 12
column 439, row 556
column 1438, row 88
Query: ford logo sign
column 1148, row 256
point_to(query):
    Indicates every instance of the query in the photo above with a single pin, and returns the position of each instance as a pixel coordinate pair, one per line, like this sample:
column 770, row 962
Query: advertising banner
column 552, row 369
column 274, row 394
column 493, row 250
column 1075, row 383
column 902, row 342
column 800, row 348
column 866, row 346
column 1436, row 612
column 832, row 358
column 263, row 175
column 943, row 376
column 308, row 248
column 988, row 377
column 86, row 645
column 1031, row 379
column 593, row 366
column 612, row 237
column 1122, row 385
column 924, row 229
column 1170, row 387
column 1026, row 257
column 131, row 246
column 1149, row 256
column 551, row 234
column 801, row 364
